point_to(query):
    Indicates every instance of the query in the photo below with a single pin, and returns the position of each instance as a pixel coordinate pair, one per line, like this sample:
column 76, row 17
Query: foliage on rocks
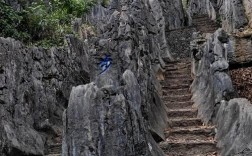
column 42, row 23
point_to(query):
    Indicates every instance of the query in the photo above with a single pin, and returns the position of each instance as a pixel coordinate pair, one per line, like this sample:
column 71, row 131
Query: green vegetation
column 185, row 4
column 42, row 23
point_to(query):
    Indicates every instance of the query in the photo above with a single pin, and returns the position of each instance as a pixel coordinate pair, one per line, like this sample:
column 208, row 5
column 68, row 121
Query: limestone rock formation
column 212, row 82
column 126, row 98
column 234, row 127
column 34, row 87
column 233, row 15
column 107, row 121
column 202, row 7
column 174, row 14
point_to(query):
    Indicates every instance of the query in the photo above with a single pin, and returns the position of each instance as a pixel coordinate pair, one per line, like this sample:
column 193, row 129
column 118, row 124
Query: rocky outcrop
column 174, row 14
column 234, row 128
column 126, row 113
column 202, row 7
column 107, row 121
column 233, row 15
column 35, row 85
column 212, row 82
column 248, row 5
column 214, row 94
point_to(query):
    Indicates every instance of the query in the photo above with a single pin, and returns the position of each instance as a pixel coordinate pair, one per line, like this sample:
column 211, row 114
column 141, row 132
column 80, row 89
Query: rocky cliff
column 63, row 96
column 34, row 89
column 126, row 113
column 119, row 113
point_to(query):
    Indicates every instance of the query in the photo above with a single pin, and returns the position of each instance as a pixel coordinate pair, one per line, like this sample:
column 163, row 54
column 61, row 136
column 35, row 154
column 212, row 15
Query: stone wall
column 35, row 85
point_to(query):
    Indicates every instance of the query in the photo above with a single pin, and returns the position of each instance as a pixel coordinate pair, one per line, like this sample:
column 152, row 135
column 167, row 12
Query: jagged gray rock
column 174, row 14
column 133, row 37
column 107, row 121
column 34, row 89
column 212, row 82
column 202, row 7
column 233, row 15
column 234, row 127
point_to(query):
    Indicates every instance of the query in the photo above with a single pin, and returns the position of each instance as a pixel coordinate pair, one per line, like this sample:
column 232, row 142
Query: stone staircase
column 204, row 24
column 186, row 135
column 55, row 148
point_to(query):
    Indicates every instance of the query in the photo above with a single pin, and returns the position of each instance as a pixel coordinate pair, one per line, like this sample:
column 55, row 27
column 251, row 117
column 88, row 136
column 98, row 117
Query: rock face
column 234, row 128
column 35, row 85
column 126, row 113
column 174, row 14
column 233, row 15
column 212, row 82
column 212, row 90
column 107, row 121
column 248, row 5
column 202, row 7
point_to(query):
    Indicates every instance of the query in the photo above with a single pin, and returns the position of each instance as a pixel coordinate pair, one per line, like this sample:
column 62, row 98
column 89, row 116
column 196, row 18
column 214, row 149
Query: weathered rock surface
column 212, row 82
column 234, row 127
column 126, row 113
column 202, row 7
column 107, row 121
column 248, row 10
column 233, row 15
column 174, row 14
column 35, row 85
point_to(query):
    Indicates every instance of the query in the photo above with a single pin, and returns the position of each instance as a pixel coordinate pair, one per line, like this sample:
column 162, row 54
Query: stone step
column 178, row 65
column 185, row 122
column 188, row 148
column 172, row 82
column 176, row 86
column 181, row 105
column 177, row 75
column 178, row 98
column 172, row 68
column 55, row 148
column 178, row 72
column 181, row 91
column 200, row 130
column 190, row 113
column 206, row 25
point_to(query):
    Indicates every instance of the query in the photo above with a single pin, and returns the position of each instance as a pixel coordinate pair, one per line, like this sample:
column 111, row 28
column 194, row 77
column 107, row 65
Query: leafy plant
column 10, row 21
column 42, row 23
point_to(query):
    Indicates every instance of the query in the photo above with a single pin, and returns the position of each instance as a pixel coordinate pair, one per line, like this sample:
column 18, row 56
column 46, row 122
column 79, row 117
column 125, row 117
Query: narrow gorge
column 136, row 78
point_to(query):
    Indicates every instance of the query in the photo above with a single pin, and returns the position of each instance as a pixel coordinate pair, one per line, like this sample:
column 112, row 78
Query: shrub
column 42, row 23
